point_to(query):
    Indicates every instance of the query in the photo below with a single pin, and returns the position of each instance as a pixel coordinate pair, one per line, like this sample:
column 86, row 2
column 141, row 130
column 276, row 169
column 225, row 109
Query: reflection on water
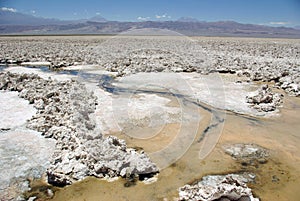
column 41, row 68
column 2, row 67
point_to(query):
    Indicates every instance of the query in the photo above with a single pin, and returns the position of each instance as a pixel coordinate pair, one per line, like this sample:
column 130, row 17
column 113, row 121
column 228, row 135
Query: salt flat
column 179, row 98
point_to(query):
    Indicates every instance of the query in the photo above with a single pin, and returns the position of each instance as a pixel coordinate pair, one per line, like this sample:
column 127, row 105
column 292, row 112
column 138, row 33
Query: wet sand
column 278, row 179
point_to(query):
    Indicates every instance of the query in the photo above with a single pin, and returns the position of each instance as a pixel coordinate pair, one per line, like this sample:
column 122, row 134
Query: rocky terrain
column 65, row 113
column 267, row 60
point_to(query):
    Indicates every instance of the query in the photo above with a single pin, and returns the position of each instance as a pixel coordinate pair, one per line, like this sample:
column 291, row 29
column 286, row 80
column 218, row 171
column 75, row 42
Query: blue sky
column 269, row 12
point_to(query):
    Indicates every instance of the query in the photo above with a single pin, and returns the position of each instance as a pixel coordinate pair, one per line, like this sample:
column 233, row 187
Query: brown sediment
column 164, row 137
column 40, row 189
column 278, row 179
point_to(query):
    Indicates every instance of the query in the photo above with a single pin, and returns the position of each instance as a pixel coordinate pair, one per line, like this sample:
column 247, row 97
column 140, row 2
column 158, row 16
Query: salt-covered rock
column 218, row 187
column 264, row 99
column 65, row 113
column 247, row 154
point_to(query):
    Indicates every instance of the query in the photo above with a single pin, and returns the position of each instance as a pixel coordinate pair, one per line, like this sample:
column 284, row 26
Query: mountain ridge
column 187, row 19
column 17, row 18
column 12, row 23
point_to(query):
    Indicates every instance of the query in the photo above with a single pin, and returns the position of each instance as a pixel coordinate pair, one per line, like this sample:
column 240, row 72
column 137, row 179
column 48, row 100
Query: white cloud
column 9, row 9
column 159, row 16
column 279, row 23
column 143, row 18
column 98, row 13
column 162, row 16
column 33, row 11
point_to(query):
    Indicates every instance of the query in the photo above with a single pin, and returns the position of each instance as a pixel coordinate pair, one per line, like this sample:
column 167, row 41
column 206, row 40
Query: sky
column 266, row 12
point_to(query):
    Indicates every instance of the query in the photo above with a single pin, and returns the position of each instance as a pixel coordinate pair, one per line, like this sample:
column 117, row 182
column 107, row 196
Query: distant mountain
column 97, row 18
column 18, row 23
column 16, row 18
column 187, row 19
column 297, row 27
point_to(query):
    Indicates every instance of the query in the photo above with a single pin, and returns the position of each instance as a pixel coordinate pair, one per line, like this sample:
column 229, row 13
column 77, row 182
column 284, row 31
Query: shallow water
column 2, row 67
column 278, row 179
column 280, row 135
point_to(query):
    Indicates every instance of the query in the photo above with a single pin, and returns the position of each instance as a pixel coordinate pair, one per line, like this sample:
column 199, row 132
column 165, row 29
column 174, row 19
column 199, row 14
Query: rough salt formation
column 65, row 113
column 58, row 53
column 248, row 154
column 154, row 60
column 275, row 60
column 264, row 99
column 219, row 188
column 268, row 60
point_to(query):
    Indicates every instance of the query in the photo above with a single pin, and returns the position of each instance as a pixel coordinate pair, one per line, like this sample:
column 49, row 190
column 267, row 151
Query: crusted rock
column 264, row 99
column 248, row 154
column 218, row 187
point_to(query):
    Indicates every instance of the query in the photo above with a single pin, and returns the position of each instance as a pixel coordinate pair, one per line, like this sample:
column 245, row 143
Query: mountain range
column 21, row 19
column 23, row 24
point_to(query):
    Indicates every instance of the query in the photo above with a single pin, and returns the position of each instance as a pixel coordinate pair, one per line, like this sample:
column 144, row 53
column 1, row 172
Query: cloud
column 143, row 18
column 9, row 9
column 159, row 16
column 33, row 11
column 162, row 16
column 279, row 23
column 98, row 13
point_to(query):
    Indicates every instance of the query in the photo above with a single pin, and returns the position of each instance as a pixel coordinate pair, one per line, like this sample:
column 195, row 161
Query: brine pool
column 182, row 122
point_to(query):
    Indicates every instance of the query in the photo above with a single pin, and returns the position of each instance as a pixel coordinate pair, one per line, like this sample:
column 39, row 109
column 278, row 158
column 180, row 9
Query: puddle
column 280, row 135
column 41, row 68
column 2, row 67
column 193, row 164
